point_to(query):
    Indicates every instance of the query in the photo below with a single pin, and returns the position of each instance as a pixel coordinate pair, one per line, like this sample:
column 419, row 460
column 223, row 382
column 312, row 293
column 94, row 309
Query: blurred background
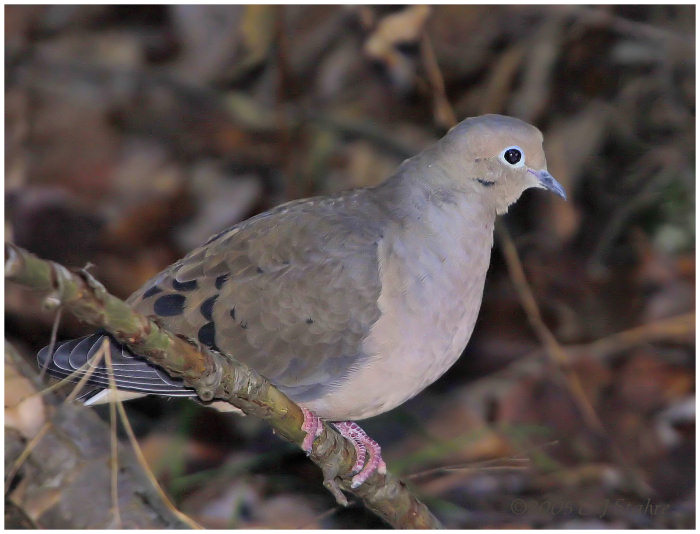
column 132, row 134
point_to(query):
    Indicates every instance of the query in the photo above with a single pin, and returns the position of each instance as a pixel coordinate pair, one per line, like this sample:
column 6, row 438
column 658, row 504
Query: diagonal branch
column 214, row 376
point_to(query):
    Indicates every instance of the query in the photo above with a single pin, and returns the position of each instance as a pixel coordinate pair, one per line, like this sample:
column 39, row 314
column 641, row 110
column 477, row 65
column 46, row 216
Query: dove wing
column 291, row 292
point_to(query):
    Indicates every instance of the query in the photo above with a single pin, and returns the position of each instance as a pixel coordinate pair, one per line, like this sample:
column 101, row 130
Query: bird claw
column 313, row 428
column 332, row 486
column 363, row 444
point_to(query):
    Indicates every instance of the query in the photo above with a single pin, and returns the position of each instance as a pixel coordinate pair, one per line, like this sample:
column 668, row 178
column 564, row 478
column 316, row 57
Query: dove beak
column 547, row 181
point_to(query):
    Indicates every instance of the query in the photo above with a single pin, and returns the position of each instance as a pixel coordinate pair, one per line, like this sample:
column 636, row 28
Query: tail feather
column 131, row 372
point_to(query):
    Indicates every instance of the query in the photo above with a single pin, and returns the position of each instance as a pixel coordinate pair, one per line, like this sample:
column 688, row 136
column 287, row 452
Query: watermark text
column 598, row 510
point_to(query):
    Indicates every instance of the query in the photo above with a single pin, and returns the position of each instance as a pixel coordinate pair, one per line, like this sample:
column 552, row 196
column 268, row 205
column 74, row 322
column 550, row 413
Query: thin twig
column 628, row 27
column 443, row 112
column 147, row 470
column 114, row 443
column 282, row 85
column 486, row 464
column 552, row 347
column 680, row 327
column 17, row 464
column 91, row 364
column 52, row 343
column 116, row 403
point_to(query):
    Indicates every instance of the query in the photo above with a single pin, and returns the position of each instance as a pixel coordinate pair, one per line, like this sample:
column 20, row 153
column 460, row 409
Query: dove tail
column 131, row 372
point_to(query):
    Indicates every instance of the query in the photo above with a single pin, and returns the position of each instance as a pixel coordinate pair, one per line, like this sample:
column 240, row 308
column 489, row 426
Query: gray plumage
column 353, row 303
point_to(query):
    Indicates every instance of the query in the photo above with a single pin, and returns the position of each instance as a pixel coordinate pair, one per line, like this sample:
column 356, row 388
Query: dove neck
column 420, row 187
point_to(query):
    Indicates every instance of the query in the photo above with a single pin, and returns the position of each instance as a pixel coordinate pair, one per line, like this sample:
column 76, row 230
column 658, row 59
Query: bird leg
column 313, row 427
column 363, row 443
column 351, row 431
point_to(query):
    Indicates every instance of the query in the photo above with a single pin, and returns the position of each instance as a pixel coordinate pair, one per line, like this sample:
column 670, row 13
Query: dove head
column 496, row 157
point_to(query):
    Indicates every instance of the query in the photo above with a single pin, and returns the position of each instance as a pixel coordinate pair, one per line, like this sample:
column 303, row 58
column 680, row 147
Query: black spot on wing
column 485, row 183
column 184, row 286
column 207, row 307
column 232, row 313
column 221, row 280
column 207, row 335
column 259, row 270
column 154, row 290
column 309, row 321
column 169, row 305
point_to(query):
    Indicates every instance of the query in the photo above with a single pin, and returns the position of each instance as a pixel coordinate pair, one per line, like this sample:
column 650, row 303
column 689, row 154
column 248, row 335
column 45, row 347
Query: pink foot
column 363, row 443
column 313, row 428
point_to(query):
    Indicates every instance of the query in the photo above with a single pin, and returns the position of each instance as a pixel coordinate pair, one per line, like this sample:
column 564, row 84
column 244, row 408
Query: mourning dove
column 350, row 304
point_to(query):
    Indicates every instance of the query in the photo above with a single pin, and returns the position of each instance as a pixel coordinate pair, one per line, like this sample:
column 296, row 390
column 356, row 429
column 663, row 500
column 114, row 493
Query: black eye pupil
column 512, row 156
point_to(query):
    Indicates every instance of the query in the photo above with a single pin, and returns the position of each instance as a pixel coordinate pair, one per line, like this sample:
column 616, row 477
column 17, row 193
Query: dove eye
column 513, row 156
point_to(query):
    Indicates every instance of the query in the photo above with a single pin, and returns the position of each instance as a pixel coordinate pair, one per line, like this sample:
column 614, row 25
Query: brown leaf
column 23, row 412
column 402, row 28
